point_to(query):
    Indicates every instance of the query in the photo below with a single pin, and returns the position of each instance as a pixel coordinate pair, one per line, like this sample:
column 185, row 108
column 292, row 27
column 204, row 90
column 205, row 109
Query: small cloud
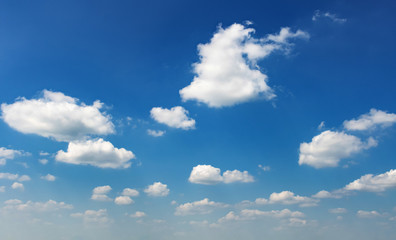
column 130, row 192
column 138, row 214
column 49, row 177
column 43, row 161
column 123, row 200
column 321, row 125
column 264, row 168
column 155, row 133
column 318, row 14
column 176, row 117
column 17, row 185
column 42, row 153
column 209, row 175
column 100, row 193
column 157, row 189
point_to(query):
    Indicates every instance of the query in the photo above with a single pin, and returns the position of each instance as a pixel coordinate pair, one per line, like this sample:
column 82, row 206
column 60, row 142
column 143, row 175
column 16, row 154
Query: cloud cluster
column 253, row 214
column 96, row 152
column 100, row 193
column 49, row 206
column 8, row 154
column 157, row 189
column 227, row 73
column 57, row 116
column 176, row 117
column 10, row 176
column 208, row 175
column 204, row 206
column 288, row 198
column 95, row 217
column 329, row 147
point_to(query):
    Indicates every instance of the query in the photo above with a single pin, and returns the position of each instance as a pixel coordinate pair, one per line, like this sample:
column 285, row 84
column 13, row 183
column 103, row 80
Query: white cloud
column 24, row 178
column 57, row 116
column 49, row 177
column 374, row 183
column 227, row 73
column 318, row 14
column 8, row 154
column 100, row 193
column 288, row 198
column 252, row 214
column 157, row 189
column 207, row 174
column 138, row 214
column 49, row 206
column 43, row 161
column 369, row 121
column 321, row 125
column 264, row 168
column 130, row 192
column 328, row 148
column 337, row 210
column 97, row 152
column 176, row 117
column 155, row 133
column 91, row 216
column 203, row 206
column 326, row 194
column 17, row 185
column 367, row 214
column 123, row 200
column 42, row 153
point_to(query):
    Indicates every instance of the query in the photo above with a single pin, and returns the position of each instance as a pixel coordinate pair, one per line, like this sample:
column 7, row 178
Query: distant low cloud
column 93, row 216
column 253, row 214
column 333, row 17
column 10, row 176
column 57, row 116
column 209, row 175
column 370, row 121
column 329, row 147
column 97, row 152
column 157, row 189
column 49, row 206
column 227, row 73
column 176, row 117
column 367, row 214
column 337, row 210
column 138, row 214
column 204, row 206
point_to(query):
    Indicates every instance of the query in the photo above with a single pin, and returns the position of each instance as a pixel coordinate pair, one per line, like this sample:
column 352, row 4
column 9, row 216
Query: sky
column 197, row 120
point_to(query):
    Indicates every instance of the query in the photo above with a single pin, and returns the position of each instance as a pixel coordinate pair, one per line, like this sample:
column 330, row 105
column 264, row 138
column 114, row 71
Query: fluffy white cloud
column 326, row 194
column 8, row 154
column 367, row 214
column 203, row 206
column 130, row 192
column 57, row 116
column 318, row 14
column 50, row 205
column 155, row 133
column 207, row 174
column 288, row 198
column 176, row 117
column 252, row 214
column 100, row 193
column 138, row 214
column 123, row 200
column 157, row 189
column 328, row 148
column 91, row 216
column 374, row 183
column 227, row 73
column 369, row 121
column 97, row 152
column 17, row 185
column 49, row 177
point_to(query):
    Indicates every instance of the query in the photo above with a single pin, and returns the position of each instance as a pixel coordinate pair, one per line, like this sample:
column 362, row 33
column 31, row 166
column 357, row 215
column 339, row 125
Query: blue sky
column 197, row 120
